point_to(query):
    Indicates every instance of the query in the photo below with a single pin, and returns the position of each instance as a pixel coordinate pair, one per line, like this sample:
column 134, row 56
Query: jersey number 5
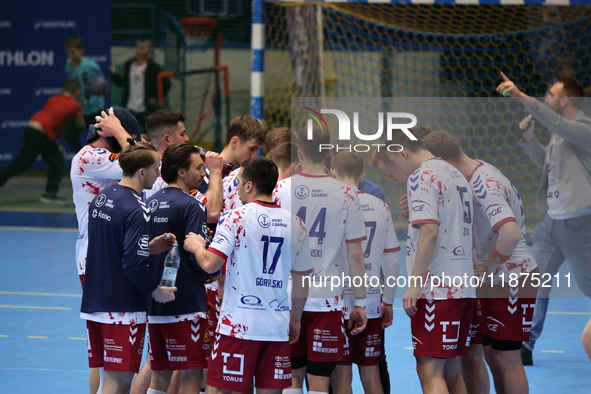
column 466, row 204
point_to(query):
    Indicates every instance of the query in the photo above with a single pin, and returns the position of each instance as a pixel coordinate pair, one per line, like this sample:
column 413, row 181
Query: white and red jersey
column 330, row 210
column 230, row 189
column 381, row 239
column 262, row 243
column 439, row 194
column 283, row 190
column 497, row 202
column 92, row 170
column 160, row 184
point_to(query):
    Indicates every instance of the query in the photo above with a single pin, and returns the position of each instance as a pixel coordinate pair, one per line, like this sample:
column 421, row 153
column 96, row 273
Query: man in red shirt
column 41, row 134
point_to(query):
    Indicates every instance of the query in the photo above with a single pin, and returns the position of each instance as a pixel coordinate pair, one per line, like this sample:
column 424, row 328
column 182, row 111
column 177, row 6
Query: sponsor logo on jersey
column 100, row 214
column 153, row 205
column 100, row 200
column 113, row 157
column 160, row 219
column 459, row 251
column 264, row 221
column 301, row 192
column 144, row 242
column 251, row 300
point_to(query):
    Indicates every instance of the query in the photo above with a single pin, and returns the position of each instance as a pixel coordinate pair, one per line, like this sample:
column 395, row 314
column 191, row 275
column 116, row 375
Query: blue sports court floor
column 43, row 340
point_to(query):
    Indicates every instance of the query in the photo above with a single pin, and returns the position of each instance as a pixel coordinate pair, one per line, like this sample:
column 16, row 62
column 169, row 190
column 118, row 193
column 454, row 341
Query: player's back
column 381, row 238
column 496, row 202
column 118, row 230
column 330, row 211
column 439, row 194
column 266, row 240
column 92, row 170
column 230, row 191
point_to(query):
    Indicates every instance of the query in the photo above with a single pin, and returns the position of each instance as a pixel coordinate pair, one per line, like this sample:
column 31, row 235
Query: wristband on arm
column 498, row 257
column 361, row 302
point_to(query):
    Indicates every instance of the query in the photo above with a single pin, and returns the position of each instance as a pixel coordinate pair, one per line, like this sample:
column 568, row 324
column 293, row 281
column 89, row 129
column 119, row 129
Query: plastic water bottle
column 171, row 266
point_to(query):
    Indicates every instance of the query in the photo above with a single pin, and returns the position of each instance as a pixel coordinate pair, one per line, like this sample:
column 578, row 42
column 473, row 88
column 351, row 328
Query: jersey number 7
column 266, row 241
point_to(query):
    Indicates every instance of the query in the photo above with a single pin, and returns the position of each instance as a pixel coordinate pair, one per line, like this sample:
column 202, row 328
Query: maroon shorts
column 321, row 338
column 213, row 309
column 507, row 311
column 235, row 362
column 476, row 329
column 115, row 347
column 441, row 328
column 364, row 348
column 178, row 346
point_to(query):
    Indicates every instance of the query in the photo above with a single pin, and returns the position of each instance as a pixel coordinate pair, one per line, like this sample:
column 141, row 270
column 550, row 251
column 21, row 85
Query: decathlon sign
column 344, row 130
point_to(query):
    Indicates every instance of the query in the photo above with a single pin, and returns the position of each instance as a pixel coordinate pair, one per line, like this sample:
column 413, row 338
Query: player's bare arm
column 429, row 233
column 209, row 262
column 358, row 318
column 164, row 294
column 390, row 269
column 299, row 295
column 214, row 195
column 507, row 240
column 161, row 243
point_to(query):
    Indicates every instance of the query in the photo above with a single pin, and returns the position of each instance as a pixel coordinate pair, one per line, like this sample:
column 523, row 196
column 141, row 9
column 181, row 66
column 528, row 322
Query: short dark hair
column 246, row 128
column 348, row 164
column 74, row 42
column 443, row 144
column 159, row 122
column 283, row 155
column 311, row 148
column 176, row 157
column 71, row 85
column 262, row 172
column 277, row 136
column 400, row 138
column 573, row 90
column 135, row 156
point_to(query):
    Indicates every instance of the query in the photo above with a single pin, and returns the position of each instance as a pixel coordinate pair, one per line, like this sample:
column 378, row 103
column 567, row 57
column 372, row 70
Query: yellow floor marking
column 40, row 294
column 407, row 348
column 61, row 308
column 77, row 338
column 552, row 351
column 36, row 337
column 3, row 336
